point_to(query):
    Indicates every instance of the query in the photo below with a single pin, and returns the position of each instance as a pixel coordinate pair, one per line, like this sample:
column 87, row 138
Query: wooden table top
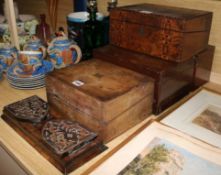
column 23, row 152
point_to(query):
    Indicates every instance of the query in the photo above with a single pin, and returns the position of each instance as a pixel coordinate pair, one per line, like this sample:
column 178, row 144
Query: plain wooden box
column 111, row 100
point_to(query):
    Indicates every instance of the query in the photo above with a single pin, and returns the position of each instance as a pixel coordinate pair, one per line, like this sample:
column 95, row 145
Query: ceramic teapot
column 63, row 52
column 34, row 44
column 8, row 54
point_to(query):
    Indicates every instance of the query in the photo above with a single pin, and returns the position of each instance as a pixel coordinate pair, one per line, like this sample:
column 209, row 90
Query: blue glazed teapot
column 63, row 52
column 8, row 54
column 34, row 44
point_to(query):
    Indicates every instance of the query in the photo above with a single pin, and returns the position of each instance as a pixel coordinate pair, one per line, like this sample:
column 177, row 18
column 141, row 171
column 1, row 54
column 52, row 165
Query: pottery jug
column 8, row 54
column 63, row 52
column 34, row 44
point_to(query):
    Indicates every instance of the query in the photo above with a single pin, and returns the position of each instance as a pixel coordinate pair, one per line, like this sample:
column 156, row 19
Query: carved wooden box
column 106, row 98
column 64, row 143
column 170, row 33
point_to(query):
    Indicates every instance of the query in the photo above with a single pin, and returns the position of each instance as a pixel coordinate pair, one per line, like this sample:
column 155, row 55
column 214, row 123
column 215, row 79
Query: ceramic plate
column 16, row 72
column 26, row 84
column 20, row 81
column 26, row 80
column 27, row 88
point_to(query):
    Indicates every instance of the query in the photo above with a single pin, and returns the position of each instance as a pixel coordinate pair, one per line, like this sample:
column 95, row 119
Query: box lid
column 139, row 62
column 100, row 89
column 166, row 17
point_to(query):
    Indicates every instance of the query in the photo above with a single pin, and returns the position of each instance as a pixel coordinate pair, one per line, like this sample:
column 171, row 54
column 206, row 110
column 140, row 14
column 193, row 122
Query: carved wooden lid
column 31, row 109
column 66, row 136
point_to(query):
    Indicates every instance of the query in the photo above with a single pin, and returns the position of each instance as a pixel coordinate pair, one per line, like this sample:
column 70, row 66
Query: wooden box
column 170, row 33
column 106, row 98
column 172, row 80
column 203, row 68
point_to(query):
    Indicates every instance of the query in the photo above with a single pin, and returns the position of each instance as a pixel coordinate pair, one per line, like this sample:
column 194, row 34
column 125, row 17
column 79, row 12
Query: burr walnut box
column 170, row 33
column 104, row 97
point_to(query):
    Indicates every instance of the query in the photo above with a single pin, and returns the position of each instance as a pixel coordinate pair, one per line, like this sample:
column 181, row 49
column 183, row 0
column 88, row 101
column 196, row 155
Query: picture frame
column 199, row 117
column 191, row 155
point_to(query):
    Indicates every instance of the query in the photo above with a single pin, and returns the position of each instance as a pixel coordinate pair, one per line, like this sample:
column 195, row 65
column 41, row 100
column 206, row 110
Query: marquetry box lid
column 170, row 33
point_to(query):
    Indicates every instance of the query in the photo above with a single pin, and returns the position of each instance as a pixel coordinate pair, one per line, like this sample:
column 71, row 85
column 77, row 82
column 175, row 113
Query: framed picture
column 199, row 117
column 161, row 150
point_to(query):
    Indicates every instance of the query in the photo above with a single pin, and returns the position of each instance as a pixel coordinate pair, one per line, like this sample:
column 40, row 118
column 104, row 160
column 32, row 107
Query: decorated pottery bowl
column 35, row 44
column 8, row 54
column 30, row 61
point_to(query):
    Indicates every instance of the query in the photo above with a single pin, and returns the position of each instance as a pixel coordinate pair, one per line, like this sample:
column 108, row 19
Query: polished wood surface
column 204, row 61
column 172, row 80
column 26, row 154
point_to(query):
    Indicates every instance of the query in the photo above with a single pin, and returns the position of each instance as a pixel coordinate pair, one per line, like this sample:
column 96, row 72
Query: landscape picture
column 161, row 157
column 210, row 119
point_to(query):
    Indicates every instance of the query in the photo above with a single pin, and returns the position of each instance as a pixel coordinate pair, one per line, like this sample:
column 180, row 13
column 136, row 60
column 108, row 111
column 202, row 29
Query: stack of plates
column 17, row 79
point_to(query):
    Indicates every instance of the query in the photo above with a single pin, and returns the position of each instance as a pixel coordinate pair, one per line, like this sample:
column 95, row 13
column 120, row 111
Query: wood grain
column 174, row 34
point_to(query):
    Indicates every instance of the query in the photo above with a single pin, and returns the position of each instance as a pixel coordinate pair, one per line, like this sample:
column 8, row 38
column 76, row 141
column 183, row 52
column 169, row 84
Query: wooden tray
column 32, row 134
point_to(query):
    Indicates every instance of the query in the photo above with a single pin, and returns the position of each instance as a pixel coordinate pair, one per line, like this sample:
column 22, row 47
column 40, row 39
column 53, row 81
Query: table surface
column 26, row 155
